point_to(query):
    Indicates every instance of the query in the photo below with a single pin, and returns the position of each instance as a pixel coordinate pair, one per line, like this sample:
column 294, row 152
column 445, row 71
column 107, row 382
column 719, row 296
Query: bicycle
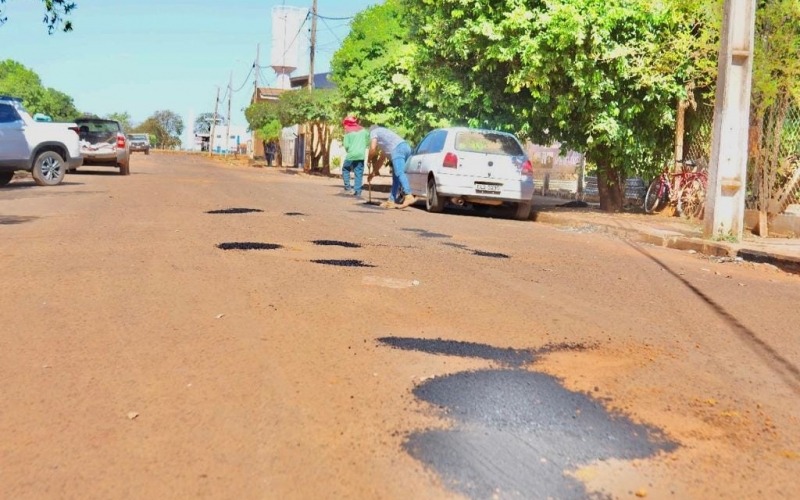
column 686, row 190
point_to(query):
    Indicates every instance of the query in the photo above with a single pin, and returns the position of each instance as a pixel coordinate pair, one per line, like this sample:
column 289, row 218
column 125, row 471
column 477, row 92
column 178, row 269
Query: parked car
column 471, row 166
column 45, row 149
column 103, row 143
column 140, row 143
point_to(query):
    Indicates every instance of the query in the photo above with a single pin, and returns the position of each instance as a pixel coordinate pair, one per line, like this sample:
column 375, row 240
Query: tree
column 320, row 111
column 264, row 120
column 376, row 74
column 123, row 118
column 55, row 14
column 597, row 77
column 203, row 122
column 166, row 126
column 19, row 81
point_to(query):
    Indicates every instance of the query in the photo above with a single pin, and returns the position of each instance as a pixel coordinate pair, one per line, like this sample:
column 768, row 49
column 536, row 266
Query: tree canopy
column 56, row 13
column 18, row 81
column 165, row 125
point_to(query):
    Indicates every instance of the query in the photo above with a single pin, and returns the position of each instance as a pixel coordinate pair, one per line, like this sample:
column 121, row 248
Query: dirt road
column 453, row 356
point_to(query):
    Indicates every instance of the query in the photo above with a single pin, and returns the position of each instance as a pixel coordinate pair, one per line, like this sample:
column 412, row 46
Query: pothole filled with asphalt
column 342, row 262
column 295, row 214
column 336, row 243
column 248, row 245
column 234, row 211
column 494, row 255
column 517, row 433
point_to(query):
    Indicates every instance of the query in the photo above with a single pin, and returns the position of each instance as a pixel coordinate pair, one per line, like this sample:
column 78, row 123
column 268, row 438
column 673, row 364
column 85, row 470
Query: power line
column 302, row 25
column 333, row 18
column 331, row 30
column 246, row 79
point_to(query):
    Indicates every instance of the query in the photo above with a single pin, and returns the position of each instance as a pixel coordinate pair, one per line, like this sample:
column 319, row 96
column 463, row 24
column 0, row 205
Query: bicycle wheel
column 692, row 200
column 654, row 199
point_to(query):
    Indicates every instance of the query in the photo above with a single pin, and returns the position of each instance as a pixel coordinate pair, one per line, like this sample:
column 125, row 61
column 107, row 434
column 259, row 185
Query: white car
column 480, row 167
column 45, row 149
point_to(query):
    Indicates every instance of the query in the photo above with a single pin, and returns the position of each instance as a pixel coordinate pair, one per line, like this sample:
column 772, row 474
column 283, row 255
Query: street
column 424, row 355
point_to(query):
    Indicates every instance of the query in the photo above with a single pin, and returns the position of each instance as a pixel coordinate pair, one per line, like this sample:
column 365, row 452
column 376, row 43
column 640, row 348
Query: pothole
column 342, row 263
column 248, row 245
column 494, row 255
column 336, row 243
column 234, row 211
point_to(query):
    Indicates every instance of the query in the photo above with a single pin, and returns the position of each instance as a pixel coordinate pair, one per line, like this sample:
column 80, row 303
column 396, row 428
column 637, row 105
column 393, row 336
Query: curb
column 678, row 242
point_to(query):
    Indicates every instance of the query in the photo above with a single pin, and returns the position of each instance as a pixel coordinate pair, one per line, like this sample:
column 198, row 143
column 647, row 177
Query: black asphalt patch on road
column 423, row 233
column 494, row 255
column 342, row 263
column 234, row 211
column 335, row 243
column 507, row 356
column 248, row 245
column 295, row 214
column 516, row 433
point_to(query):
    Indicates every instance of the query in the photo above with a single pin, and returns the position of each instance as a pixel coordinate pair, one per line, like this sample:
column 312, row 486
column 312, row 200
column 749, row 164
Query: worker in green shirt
column 356, row 143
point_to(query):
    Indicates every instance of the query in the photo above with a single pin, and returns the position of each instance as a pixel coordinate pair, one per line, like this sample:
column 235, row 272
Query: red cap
column 351, row 124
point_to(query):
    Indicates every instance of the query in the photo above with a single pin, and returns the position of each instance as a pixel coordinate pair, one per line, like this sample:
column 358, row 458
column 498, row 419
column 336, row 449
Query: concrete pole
column 213, row 126
column 727, row 182
column 313, row 45
column 228, row 130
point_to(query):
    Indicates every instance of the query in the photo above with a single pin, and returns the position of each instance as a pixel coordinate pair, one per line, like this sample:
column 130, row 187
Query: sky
column 141, row 56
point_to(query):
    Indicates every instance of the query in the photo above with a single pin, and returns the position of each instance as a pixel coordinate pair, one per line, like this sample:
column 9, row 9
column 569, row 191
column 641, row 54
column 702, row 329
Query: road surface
column 451, row 356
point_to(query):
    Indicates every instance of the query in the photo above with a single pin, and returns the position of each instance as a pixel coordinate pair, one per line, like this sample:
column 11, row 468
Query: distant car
column 139, row 143
column 103, row 143
column 470, row 166
column 45, row 149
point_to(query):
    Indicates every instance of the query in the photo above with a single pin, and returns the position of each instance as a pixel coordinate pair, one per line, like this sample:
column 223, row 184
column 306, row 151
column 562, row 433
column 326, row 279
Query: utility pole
column 230, row 96
column 727, row 180
column 256, row 71
column 313, row 45
column 213, row 126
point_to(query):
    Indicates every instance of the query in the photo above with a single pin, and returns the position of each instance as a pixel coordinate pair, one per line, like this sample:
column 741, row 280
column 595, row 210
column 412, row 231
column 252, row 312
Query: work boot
column 408, row 201
column 388, row 204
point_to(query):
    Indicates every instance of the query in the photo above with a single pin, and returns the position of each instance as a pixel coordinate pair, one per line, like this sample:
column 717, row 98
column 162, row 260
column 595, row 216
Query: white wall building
column 239, row 135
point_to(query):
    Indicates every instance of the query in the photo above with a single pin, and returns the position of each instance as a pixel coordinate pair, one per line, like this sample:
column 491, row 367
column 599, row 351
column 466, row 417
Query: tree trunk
column 326, row 150
column 611, row 185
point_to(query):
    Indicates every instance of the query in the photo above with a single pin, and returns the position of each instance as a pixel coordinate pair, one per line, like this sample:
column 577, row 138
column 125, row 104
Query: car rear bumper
column 75, row 162
column 458, row 186
column 139, row 148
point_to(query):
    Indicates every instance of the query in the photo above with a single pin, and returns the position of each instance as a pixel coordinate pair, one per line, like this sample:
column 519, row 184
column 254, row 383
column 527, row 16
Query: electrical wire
column 320, row 16
column 246, row 79
column 331, row 30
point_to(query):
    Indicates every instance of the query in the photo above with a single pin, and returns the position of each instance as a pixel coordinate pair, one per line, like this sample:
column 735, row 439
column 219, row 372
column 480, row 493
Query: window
column 474, row 141
column 233, row 137
column 8, row 114
column 432, row 143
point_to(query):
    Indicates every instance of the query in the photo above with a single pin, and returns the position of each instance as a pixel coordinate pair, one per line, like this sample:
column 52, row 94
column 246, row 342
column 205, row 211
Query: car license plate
column 488, row 188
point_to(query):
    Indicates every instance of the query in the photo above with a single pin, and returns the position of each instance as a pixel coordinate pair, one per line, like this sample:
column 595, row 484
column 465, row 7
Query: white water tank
column 288, row 39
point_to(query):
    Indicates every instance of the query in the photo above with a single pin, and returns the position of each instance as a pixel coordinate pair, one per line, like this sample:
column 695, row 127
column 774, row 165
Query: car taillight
column 527, row 169
column 77, row 130
column 120, row 142
column 450, row 161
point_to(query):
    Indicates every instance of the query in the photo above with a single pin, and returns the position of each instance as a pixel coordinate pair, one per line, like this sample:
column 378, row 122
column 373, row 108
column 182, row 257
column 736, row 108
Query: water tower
column 287, row 25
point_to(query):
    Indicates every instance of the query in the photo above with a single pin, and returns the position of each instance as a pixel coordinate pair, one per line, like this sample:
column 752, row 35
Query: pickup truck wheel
column 146, row 152
column 5, row 178
column 124, row 168
column 49, row 169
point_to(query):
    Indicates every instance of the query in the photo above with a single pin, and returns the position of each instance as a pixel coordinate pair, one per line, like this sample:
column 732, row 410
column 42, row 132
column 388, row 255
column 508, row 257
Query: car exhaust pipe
column 458, row 201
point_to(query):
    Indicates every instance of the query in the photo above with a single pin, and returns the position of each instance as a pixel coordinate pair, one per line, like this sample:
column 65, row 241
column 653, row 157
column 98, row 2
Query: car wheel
column 433, row 203
column 49, row 169
column 523, row 210
column 5, row 177
column 146, row 152
column 124, row 168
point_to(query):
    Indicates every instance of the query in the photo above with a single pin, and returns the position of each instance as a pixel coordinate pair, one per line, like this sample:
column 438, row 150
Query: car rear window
column 99, row 126
column 139, row 137
column 488, row 142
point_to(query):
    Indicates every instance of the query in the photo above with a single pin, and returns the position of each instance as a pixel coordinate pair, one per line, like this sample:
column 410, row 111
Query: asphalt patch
column 335, row 243
column 234, row 211
column 494, row 255
column 505, row 356
column 248, row 245
column 295, row 214
column 516, row 433
column 342, row 263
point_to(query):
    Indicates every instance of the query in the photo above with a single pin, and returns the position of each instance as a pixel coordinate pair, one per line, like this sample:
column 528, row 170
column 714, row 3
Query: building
column 321, row 81
column 238, row 140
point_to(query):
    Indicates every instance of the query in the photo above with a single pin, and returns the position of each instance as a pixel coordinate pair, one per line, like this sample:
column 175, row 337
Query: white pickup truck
column 47, row 150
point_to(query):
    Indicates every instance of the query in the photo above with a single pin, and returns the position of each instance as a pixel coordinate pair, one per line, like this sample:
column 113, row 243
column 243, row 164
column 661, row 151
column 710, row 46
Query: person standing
column 356, row 142
column 396, row 148
column 270, row 152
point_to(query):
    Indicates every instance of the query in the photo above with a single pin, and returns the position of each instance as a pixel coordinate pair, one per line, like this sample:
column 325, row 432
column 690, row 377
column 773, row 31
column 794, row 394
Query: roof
column 267, row 94
column 10, row 98
column 321, row 81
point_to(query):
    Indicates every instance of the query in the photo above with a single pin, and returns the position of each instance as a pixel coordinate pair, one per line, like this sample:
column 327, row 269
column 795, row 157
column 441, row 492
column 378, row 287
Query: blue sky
column 145, row 55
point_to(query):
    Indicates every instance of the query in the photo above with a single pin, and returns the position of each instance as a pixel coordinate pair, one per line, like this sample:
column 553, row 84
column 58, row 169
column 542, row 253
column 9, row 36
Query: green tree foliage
column 375, row 71
column 18, row 81
column 166, row 126
column 124, row 119
column 55, row 15
column 599, row 77
column 203, row 122
column 264, row 120
column 321, row 113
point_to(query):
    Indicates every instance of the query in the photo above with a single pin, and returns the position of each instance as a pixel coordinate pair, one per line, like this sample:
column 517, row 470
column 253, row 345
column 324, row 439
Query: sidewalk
column 660, row 230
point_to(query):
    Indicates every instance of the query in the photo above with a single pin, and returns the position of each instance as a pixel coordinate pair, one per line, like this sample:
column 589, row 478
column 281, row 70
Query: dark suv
column 139, row 142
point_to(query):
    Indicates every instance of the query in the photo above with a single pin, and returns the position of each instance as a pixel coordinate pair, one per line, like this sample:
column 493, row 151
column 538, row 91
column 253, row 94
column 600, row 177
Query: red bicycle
column 685, row 189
